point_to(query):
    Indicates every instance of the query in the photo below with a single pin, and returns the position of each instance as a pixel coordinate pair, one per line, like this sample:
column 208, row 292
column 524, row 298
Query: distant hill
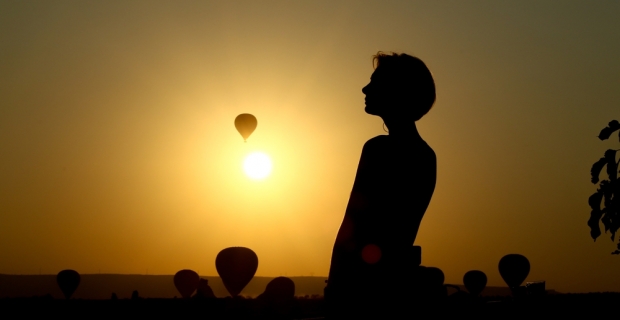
column 101, row 286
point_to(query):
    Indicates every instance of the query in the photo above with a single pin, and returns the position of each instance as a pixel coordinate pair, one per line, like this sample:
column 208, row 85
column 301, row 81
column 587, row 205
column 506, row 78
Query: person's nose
column 365, row 89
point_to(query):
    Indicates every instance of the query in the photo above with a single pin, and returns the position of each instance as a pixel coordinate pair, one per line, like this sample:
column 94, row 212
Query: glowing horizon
column 120, row 153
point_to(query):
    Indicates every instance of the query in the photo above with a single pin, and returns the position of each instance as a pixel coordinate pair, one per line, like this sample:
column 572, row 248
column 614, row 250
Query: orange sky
column 119, row 152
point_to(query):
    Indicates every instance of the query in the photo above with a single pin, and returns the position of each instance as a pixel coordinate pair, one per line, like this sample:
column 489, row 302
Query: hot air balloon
column 434, row 281
column 435, row 276
column 475, row 281
column 245, row 124
column 186, row 281
column 68, row 281
column 514, row 268
column 279, row 288
column 236, row 266
column 277, row 301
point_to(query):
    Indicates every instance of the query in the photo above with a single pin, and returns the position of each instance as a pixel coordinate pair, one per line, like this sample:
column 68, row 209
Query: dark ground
column 589, row 305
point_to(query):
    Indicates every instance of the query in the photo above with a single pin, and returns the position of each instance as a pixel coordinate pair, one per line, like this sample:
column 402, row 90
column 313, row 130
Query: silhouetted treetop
column 608, row 192
column 607, row 131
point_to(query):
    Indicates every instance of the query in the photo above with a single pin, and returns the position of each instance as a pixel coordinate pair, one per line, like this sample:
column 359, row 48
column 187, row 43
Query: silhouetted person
column 372, row 259
column 204, row 291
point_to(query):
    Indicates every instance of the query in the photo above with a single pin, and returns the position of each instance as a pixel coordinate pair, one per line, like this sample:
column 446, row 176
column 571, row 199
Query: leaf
column 596, row 169
column 595, row 230
column 607, row 131
column 615, row 222
column 607, row 188
column 595, row 200
column 606, row 220
column 612, row 167
column 611, row 220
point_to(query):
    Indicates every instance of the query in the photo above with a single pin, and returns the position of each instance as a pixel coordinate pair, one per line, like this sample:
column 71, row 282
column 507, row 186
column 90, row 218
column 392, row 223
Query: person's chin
column 370, row 111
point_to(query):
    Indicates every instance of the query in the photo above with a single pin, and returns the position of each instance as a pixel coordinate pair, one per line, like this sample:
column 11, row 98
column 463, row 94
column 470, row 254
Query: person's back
column 394, row 184
column 372, row 261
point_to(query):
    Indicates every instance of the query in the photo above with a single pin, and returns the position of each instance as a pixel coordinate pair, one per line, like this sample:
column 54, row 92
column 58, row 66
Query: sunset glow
column 120, row 153
column 257, row 165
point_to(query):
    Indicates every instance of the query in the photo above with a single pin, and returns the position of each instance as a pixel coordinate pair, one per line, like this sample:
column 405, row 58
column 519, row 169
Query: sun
column 257, row 165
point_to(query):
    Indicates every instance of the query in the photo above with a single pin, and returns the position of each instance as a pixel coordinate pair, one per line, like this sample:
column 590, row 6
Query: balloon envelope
column 475, row 281
column 186, row 281
column 280, row 288
column 245, row 124
column 68, row 281
column 514, row 268
column 435, row 276
column 236, row 266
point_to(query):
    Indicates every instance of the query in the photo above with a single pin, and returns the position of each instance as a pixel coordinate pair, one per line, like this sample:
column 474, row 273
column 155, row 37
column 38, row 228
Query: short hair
column 411, row 75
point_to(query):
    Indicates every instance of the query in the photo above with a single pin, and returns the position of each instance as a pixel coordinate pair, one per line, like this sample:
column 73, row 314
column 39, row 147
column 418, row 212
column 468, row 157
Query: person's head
column 401, row 86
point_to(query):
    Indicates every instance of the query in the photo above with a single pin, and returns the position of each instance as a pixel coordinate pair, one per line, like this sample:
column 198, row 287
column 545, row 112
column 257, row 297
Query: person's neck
column 399, row 127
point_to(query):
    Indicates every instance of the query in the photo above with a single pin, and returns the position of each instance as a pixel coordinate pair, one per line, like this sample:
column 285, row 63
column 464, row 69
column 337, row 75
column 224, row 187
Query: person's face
column 377, row 93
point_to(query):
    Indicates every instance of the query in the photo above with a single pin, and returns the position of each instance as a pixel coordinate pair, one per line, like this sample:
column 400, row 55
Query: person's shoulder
column 380, row 139
column 376, row 142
